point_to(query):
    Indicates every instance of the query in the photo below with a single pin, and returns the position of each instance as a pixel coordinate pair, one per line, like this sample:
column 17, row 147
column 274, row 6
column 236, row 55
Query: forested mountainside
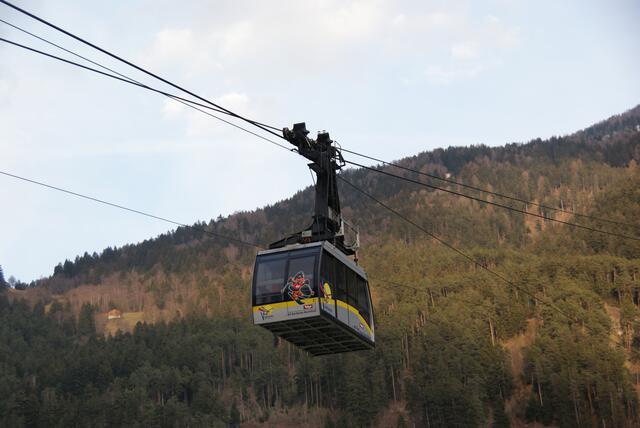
column 455, row 347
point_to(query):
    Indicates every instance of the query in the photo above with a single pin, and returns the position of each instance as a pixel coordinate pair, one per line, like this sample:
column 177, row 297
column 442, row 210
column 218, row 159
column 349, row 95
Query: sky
column 387, row 78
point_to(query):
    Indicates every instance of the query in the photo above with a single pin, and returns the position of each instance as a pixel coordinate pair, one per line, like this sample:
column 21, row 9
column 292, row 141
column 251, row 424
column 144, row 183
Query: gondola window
column 270, row 279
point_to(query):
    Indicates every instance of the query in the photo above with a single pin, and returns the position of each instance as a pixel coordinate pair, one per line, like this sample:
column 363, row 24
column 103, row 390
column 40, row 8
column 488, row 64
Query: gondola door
column 340, row 293
column 328, row 284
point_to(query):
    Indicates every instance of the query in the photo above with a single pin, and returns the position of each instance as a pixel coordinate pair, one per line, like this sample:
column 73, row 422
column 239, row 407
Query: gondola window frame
column 258, row 298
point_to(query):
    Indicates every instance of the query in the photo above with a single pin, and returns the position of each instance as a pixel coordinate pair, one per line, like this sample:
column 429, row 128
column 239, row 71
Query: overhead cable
column 271, row 129
column 184, row 101
column 453, row 248
column 544, row 302
column 268, row 129
column 495, row 204
column 122, row 207
column 221, row 110
column 124, row 76
column 489, row 192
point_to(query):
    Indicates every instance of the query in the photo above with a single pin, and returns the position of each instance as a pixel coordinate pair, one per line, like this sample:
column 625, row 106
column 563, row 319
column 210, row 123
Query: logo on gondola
column 327, row 297
column 326, row 291
column 298, row 288
column 266, row 312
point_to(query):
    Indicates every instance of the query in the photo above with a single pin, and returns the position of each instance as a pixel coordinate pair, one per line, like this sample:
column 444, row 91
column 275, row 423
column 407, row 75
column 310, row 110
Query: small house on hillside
column 114, row 314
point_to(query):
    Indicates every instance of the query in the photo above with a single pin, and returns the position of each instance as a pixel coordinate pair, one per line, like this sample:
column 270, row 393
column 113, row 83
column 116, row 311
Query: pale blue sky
column 388, row 78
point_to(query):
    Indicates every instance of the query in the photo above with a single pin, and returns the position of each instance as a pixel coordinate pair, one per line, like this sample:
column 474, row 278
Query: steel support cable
column 495, row 204
column 124, row 76
column 231, row 239
column 451, row 247
column 128, row 79
column 500, row 195
column 122, row 207
column 239, row 241
column 544, row 302
column 282, row 146
column 268, row 129
column 184, row 101
column 264, row 127
column 224, row 111
column 202, row 99
column 217, row 235
column 427, row 317
column 422, row 290
column 460, row 252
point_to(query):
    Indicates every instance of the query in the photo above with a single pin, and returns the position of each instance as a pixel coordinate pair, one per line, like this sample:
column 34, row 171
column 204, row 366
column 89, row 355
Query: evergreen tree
column 401, row 423
column 234, row 416
column 500, row 418
column 86, row 322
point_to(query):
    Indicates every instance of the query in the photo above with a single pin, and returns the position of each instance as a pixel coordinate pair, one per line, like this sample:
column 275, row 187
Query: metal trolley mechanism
column 305, row 287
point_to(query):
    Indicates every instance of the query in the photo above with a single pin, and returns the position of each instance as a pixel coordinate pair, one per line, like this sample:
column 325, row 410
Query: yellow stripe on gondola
column 355, row 312
column 344, row 305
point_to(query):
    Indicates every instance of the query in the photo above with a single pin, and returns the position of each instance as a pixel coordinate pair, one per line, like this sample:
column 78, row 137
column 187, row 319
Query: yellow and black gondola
column 315, row 297
column 305, row 287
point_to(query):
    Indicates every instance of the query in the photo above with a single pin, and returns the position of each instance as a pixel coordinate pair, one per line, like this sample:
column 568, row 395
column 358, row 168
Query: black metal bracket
column 326, row 160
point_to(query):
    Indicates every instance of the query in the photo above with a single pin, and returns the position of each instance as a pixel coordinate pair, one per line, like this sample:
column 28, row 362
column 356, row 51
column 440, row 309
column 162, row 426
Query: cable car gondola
column 305, row 287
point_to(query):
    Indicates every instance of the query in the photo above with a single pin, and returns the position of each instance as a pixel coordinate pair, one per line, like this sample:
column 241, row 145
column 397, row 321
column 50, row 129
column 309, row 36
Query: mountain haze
column 455, row 346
